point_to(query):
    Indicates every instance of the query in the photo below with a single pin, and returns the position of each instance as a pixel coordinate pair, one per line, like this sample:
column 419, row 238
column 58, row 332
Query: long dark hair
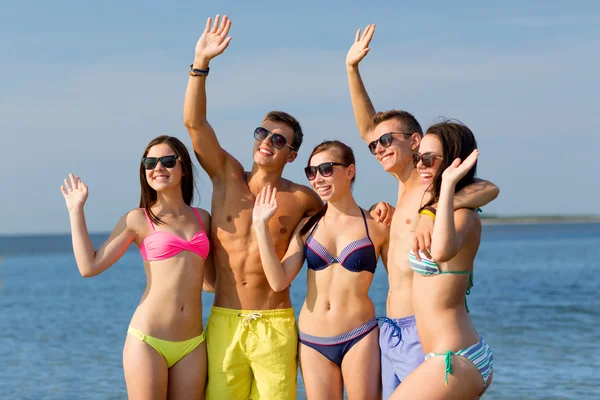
column 457, row 142
column 342, row 153
column 148, row 195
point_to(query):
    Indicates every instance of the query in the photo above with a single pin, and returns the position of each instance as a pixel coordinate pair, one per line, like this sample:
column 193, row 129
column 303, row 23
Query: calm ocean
column 536, row 301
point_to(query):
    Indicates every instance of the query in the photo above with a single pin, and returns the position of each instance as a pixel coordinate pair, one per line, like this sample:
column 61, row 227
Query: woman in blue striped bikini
column 459, row 362
column 339, row 337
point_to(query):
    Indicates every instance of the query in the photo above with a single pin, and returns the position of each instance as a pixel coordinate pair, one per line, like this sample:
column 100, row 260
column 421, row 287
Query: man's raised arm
column 361, row 103
column 209, row 152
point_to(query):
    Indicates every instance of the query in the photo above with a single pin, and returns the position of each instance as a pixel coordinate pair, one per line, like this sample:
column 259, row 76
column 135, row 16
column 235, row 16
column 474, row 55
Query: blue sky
column 84, row 87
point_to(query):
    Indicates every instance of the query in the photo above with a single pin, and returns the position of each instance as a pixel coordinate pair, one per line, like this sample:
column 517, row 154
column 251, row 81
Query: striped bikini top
column 427, row 267
column 357, row 256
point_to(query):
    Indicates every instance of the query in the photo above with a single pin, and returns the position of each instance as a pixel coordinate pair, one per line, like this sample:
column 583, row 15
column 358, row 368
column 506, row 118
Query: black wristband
column 198, row 72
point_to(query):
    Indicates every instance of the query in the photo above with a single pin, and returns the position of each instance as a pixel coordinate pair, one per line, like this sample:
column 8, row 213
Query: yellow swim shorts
column 252, row 354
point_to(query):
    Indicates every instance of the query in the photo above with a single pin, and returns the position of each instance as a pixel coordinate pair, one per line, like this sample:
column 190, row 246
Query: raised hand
column 360, row 47
column 75, row 192
column 457, row 170
column 214, row 39
column 265, row 206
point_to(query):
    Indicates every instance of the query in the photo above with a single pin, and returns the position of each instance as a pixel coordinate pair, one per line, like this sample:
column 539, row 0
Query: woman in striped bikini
column 458, row 362
column 339, row 337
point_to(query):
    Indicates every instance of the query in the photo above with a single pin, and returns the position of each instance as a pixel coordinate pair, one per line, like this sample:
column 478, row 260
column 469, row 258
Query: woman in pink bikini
column 164, row 354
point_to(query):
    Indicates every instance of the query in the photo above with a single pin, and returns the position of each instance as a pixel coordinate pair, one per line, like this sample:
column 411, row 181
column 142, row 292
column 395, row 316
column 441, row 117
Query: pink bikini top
column 160, row 245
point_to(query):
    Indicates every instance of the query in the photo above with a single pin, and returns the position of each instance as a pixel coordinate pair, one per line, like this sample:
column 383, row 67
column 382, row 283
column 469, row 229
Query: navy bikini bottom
column 336, row 347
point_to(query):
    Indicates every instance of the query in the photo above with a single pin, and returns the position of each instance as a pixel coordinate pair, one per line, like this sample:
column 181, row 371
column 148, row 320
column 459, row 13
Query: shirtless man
column 393, row 136
column 251, row 333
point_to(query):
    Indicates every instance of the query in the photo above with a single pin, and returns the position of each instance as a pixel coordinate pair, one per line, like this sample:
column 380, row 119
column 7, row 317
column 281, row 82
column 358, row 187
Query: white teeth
column 265, row 152
column 386, row 156
column 323, row 189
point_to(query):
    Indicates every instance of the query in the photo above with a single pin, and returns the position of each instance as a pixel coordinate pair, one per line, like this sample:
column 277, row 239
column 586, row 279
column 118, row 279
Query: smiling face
column 161, row 178
column 267, row 155
column 397, row 158
column 336, row 185
column 430, row 150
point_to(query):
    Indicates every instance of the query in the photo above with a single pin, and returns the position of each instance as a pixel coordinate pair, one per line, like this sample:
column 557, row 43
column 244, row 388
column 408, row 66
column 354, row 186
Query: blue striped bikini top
column 427, row 267
column 357, row 256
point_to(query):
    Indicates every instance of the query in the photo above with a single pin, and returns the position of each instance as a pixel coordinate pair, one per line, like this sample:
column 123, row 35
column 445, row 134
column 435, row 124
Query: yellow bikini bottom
column 171, row 351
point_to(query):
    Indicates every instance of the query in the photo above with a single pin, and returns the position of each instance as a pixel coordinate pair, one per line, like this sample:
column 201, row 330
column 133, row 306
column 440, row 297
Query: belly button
column 244, row 283
column 328, row 306
column 181, row 308
column 408, row 220
column 282, row 231
column 229, row 218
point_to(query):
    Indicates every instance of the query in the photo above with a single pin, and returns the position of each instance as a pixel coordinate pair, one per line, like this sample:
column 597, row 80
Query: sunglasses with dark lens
column 428, row 159
column 325, row 169
column 385, row 140
column 166, row 161
column 278, row 141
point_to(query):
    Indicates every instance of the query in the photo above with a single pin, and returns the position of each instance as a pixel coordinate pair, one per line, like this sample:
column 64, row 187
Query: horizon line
column 527, row 218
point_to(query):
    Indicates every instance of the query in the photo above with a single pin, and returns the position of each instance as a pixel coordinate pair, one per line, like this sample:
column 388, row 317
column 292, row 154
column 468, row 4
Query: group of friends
column 264, row 228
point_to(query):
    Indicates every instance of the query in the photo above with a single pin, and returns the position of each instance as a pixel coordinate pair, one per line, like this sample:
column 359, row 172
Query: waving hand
column 266, row 205
column 75, row 192
column 360, row 47
column 459, row 168
column 214, row 39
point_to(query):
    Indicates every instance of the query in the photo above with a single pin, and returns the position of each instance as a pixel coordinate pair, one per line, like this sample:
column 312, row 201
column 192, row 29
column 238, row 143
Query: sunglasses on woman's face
column 166, row 161
column 277, row 140
column 428, row 159
column 385, row 140
column 325, row 169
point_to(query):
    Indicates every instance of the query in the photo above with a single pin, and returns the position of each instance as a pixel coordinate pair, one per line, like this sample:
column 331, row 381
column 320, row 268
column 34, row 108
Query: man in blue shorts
column 393, row 137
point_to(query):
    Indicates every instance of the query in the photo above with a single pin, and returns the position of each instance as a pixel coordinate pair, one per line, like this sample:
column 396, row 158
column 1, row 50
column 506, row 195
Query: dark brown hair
column 409, row 122
column 148, row 195
column 280, row 116
column 342, row 154
column 457, row 142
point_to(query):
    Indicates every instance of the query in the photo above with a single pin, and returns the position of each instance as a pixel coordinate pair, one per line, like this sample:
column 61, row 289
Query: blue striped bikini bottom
column 335, row 347
column 480, row 354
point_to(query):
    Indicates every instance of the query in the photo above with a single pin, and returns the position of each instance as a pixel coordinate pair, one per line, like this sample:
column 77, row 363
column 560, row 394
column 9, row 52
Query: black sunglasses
column 385, row 140
column 325, row 169
column 166, row 161
column 277, row 140
column 428, row 159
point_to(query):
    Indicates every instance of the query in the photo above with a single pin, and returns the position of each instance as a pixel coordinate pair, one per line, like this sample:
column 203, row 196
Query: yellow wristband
column 427, row 212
